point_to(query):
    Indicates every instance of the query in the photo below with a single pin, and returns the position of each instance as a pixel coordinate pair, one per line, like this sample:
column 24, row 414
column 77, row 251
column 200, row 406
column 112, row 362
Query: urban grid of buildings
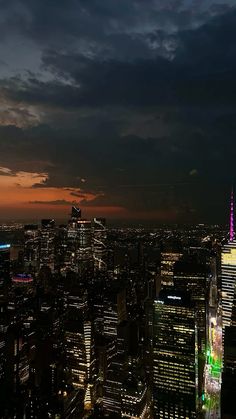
column 133, row 323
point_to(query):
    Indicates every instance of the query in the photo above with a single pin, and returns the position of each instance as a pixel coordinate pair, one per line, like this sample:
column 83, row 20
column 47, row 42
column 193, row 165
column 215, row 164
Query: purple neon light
column 231, row 229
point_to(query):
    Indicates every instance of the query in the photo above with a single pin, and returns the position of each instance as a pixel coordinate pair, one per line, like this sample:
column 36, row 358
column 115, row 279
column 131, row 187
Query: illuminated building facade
column 47, row 244
column 114, row 312
column 228, row 407
column 175, row 357
column 84, row 244
column 228, row 271
column 80, row 355
column 168, row 260
column 134, row 401
column 79, row 242
column 228, row 280
column 22, row 280
column 31, row 247
column 17, row 365
column 192, row 277
column 4, row 261
column 99, row 244
column 114, row 317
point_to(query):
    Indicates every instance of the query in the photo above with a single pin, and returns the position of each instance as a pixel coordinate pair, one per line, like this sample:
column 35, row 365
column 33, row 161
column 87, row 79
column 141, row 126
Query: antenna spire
column 231, row 229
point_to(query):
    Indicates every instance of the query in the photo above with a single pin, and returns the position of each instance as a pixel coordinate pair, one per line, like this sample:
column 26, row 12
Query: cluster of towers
column 83, row 337
column 79, row 245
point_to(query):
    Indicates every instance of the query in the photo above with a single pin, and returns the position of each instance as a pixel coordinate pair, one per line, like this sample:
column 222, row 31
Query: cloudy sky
column 124, row 107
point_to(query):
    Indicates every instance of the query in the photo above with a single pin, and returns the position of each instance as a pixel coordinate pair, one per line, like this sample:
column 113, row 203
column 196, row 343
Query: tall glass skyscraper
column 175, row 356
column 228, row 271
column 228, row 280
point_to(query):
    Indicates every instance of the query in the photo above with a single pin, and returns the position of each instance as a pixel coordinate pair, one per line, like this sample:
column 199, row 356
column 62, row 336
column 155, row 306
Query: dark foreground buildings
column 100, row 322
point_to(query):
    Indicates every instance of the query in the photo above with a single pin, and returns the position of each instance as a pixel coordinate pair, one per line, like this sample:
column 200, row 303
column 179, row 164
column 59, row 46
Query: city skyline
column 124, row 109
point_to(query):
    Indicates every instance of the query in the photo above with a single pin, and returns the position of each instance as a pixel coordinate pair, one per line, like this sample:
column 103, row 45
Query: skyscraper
column 47, row 244
column 228, row 407
column 80, row 354
column 228, row 271
column 192, row 277
column 31, row 247
column 4, row 261
column 99, row 244
column 175, row 356
column 79, row 242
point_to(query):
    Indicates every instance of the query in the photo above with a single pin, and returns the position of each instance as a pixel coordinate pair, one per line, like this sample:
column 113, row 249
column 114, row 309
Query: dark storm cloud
column 202, row 72
column 118, row 30
column 136, row 102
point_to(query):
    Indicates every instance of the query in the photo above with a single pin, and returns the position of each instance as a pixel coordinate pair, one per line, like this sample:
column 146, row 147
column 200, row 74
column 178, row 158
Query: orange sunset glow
column 22, row 195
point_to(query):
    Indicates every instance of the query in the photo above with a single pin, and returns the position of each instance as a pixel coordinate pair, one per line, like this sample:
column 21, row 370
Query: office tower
column 228, row 279
column 115, row 373
column 79, row 242
column 47, row 244
column 228, row 271
column 4, row 325
column 4, row 262
column 4, row 273
column 114, row 310
column 72, row 240
column 99, row 244
column 84, row 245
column 192, row 276
column 72, row 228
column 80, row 360
column 112, row 399
column 134, row 400
column 16, row 368
column 175, row 356
column 61, row 246
column 75, row 213
column 168, row 259
column 228, row 406
column 114, row 330
column 228, row 387
column 31, row 248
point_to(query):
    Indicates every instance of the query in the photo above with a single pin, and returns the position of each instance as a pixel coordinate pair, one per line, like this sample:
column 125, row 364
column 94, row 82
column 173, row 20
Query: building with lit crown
column 228, row 280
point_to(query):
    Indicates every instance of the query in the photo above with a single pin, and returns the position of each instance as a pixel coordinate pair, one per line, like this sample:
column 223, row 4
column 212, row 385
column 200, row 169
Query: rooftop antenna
column 231, row 228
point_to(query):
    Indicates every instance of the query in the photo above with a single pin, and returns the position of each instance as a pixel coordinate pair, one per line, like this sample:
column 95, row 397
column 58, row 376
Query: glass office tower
column 175, row 355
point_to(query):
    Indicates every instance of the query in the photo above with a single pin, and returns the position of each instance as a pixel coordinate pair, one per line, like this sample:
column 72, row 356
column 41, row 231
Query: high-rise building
column 84, row 244
column 134, row 400
column 80, row 360
column 114, row 311
column 75, row 213
column 175, row 356
column 228, row 272
column 192, row 277
column 228, row 406
column 228, row 279
column 4, row 273
column 168, row 260
column 4, row 261
column 115, row 333
column 79, row 242
column 47, row 244
column 31, row 247
column 99, row 244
